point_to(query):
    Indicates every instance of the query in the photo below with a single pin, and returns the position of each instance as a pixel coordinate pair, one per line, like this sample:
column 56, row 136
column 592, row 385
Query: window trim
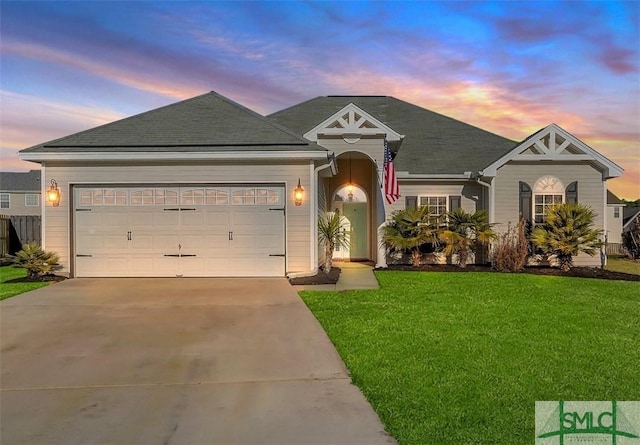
column 27, row 195
column 616, row 212
column 7, row 200
column 557, row 188
column 446, row 203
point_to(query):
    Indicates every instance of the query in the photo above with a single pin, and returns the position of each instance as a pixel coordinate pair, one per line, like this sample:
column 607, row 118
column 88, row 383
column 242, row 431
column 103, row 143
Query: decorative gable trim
column 555, row 144
column 352, row 123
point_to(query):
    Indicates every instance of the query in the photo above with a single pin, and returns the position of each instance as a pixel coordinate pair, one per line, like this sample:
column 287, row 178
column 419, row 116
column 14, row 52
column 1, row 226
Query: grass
column 8, row 290
column 461, row 358
column 623, row 264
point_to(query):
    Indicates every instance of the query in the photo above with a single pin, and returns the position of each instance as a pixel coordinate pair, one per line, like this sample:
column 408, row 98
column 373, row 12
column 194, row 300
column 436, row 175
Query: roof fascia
column 406, row 176
column 382, row 128
column 173, row 156
column 611, row 169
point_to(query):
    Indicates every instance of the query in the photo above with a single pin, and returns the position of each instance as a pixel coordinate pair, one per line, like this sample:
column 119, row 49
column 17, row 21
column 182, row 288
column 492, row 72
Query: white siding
column 299, row 231
column 590, row 192
column 473, row 194
column 614, row 225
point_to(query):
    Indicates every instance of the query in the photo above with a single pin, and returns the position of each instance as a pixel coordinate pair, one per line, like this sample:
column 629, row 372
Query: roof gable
column 351, row 123
column 433, row 144
column 553, row 143
column 205, row 121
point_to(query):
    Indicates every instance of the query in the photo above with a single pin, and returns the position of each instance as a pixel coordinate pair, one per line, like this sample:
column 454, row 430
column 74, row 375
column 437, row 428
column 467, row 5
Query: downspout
column 314, row 208
column 489, row 185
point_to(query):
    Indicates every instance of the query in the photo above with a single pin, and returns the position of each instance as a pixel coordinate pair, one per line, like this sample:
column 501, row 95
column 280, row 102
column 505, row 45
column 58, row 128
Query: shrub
column 331, row 235
column 510, row 251
column 466, row 232
column 36, row 261
column 631, row 240
column 408, row 230
column 566, row 232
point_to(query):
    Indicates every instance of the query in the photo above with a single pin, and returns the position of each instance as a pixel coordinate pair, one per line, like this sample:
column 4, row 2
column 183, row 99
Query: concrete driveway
column 174, row 361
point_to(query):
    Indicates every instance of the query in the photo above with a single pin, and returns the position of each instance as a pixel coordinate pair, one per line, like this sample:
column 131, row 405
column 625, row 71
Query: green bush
column 36, row 261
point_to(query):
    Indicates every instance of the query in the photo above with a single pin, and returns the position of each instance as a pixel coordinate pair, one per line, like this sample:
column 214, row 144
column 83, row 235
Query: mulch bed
column 319, row 278
column 580, row 272
column 44, row 278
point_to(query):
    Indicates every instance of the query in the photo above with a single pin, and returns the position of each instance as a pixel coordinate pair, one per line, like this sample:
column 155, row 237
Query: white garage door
column 195, row 231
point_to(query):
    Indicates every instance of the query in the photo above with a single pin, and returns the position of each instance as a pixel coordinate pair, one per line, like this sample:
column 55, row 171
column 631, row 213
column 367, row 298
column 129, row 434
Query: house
column 20, row 193
column 615, row 207
column 630, row 216
column 207, row 187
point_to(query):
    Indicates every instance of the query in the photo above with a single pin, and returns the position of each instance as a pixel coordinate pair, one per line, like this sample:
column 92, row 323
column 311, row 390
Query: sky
column 510, row 67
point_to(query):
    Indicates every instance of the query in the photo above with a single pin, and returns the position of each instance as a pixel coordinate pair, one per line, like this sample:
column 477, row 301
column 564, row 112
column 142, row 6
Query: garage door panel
column 132, row 238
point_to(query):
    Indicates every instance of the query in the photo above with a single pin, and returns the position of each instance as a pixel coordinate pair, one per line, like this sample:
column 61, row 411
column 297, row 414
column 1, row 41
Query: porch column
column 381, row 257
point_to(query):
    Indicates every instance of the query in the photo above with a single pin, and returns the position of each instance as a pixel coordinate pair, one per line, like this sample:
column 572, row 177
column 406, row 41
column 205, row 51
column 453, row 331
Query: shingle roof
column 613, row 199
column 20, row 181
column 629, row 214
column 433, row 143
column 209, row 122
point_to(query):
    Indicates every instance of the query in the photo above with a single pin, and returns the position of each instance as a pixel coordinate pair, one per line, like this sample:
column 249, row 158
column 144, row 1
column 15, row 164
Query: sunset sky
column 509, row 67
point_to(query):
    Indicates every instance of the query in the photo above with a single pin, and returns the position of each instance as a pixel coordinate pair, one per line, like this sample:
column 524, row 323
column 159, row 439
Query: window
column 31, row 200
column 4, row 201
column 253, row 196
column 547, row 191
column 616, row 212
column 437, row 205
column 100, row 197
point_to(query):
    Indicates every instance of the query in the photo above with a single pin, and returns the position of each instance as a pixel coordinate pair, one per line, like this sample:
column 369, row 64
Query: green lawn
column 11, row 289
column 620, row 264
column 461, row 358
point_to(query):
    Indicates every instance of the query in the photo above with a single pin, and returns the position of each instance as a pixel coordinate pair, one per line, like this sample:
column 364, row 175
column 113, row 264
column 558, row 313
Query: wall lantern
column 298, row 194
column 53, row 194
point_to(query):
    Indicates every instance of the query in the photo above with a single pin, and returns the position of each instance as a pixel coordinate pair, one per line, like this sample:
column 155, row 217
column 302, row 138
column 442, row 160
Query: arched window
column 547, row 191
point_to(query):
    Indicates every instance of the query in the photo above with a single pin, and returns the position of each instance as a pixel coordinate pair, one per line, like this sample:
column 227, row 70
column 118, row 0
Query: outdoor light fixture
column 298, row 194
column 53, row 194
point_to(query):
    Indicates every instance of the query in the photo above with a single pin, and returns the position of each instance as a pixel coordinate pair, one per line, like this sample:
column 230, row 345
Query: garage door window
column 154, row 196
column 100, row 197
column 205, row 196
column 255, row 196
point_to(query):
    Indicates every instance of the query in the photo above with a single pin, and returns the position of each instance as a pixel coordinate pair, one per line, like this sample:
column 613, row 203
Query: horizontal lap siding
column 590, row 192
column 57, row 219
column 471, row 193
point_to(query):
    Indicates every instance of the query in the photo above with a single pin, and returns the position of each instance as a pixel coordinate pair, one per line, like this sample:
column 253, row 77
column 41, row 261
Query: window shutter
column 572, row 193
column 410, row 202
column 455, row 202
column 525, row 201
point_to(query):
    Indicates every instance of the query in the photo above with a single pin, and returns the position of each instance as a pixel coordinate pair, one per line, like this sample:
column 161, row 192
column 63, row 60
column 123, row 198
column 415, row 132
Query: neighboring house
column 205, row 187
column 629, row 216
column 20, row 193
column 615, row 207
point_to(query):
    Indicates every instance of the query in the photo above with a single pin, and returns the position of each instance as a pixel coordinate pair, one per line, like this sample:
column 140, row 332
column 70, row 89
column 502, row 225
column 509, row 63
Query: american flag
column 391, row 189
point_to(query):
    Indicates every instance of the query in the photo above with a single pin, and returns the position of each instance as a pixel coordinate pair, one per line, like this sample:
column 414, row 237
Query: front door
column 356, row 213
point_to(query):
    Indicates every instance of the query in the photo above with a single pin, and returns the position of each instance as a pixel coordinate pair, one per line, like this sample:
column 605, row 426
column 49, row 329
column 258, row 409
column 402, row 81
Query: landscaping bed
column 319, row 278
column 579, row 272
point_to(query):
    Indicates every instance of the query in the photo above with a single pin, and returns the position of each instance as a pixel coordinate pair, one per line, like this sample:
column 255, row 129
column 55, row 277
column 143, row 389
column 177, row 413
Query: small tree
column 408, row 230
column 511, row 249
column 567, row 231
column 466, row 232
column 331, row 235
column 36, row 261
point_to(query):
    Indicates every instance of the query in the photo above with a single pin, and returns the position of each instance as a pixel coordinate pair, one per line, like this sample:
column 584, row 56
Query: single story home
column 208, row 187
column 20, row 193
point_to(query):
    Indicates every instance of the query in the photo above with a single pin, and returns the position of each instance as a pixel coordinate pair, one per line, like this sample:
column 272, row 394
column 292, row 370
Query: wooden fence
column 18, row 230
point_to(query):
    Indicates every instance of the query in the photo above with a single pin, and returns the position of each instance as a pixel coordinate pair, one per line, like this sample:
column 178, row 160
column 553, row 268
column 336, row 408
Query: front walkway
column 174, row 361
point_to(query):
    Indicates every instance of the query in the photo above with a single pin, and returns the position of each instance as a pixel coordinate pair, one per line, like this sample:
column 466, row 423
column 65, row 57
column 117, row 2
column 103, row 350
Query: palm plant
column 466, row 232
column 408, row 230
column 331, row 235
column 566, row 232
column 36, row 261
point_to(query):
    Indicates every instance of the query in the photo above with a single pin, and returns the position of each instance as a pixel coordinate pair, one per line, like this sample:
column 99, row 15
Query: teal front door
column 356, row 213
